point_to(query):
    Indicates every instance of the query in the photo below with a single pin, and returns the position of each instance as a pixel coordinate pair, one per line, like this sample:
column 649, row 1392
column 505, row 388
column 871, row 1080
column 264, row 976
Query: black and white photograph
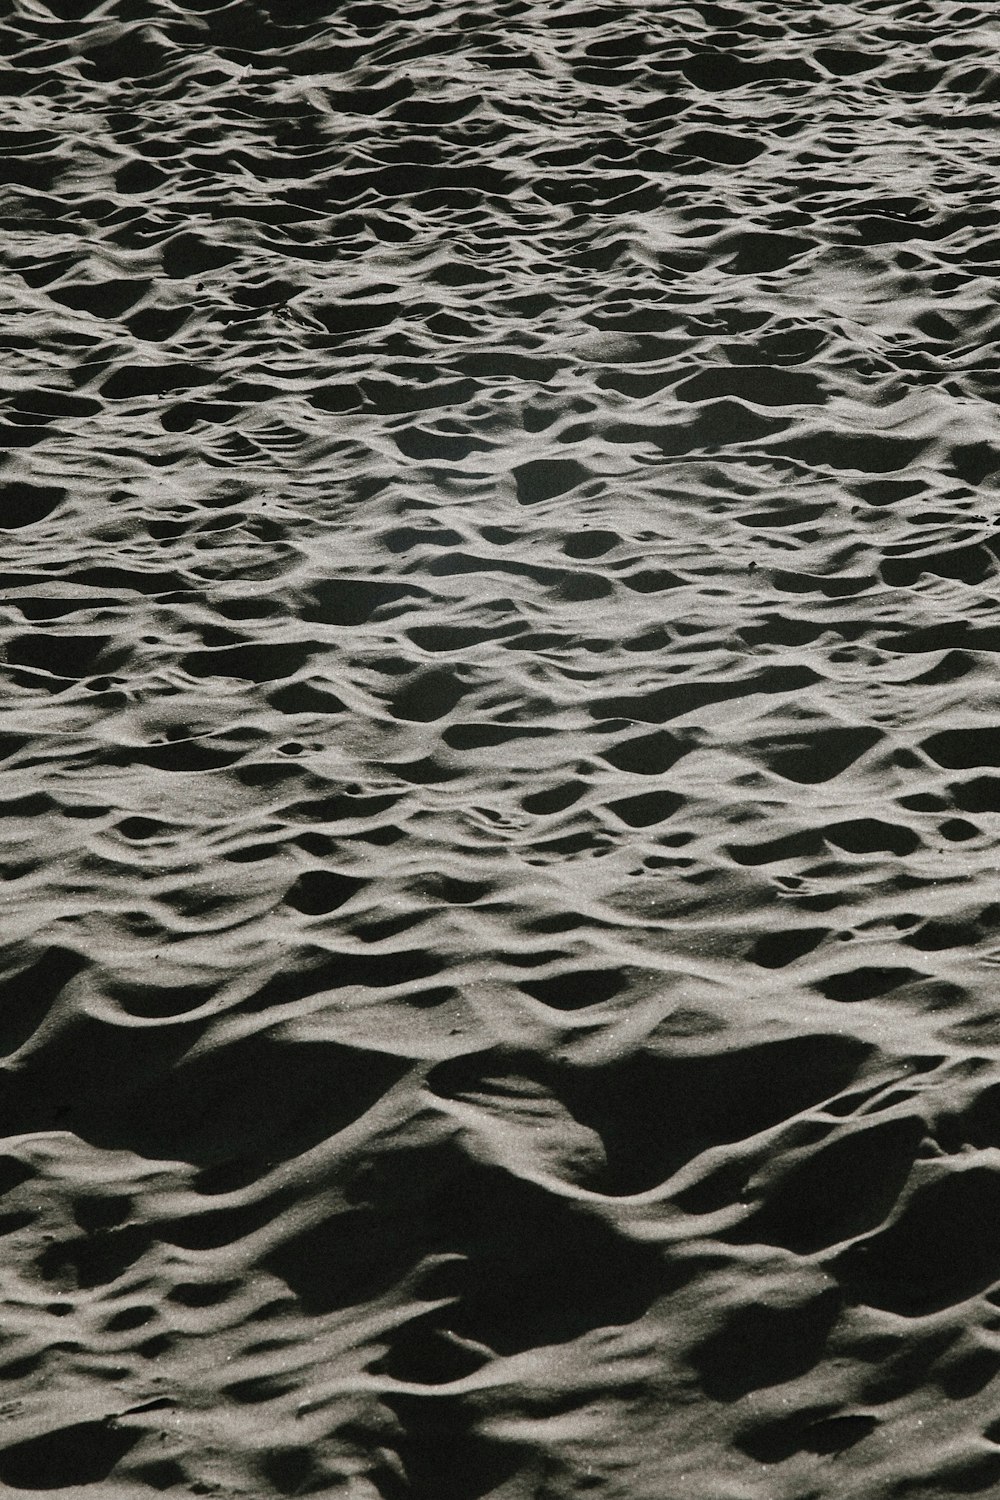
column 499, row 749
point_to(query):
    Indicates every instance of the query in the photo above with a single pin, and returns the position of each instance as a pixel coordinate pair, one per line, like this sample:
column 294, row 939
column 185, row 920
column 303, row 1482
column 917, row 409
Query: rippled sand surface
column 500, row 734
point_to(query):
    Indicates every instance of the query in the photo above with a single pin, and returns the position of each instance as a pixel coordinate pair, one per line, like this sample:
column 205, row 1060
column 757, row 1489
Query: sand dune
column 501, row 750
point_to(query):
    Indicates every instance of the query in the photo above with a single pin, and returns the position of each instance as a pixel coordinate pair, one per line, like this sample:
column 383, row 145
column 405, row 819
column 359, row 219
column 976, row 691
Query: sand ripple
column 500, row 750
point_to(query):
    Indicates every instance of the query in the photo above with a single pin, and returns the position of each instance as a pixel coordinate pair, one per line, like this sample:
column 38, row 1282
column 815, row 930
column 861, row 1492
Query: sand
column 500, row 745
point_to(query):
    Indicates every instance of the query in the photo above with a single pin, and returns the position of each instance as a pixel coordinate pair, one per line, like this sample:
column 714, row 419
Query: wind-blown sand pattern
column 500, row 750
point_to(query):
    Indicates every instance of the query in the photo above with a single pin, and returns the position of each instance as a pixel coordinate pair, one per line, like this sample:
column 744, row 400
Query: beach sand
column 500, row 744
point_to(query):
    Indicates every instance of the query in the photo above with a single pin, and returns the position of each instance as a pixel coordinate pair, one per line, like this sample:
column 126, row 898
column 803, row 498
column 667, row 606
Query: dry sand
column 500, row 750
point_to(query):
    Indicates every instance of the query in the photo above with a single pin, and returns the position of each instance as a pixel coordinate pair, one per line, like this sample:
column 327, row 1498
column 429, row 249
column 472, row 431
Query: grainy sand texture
column 500, row 743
